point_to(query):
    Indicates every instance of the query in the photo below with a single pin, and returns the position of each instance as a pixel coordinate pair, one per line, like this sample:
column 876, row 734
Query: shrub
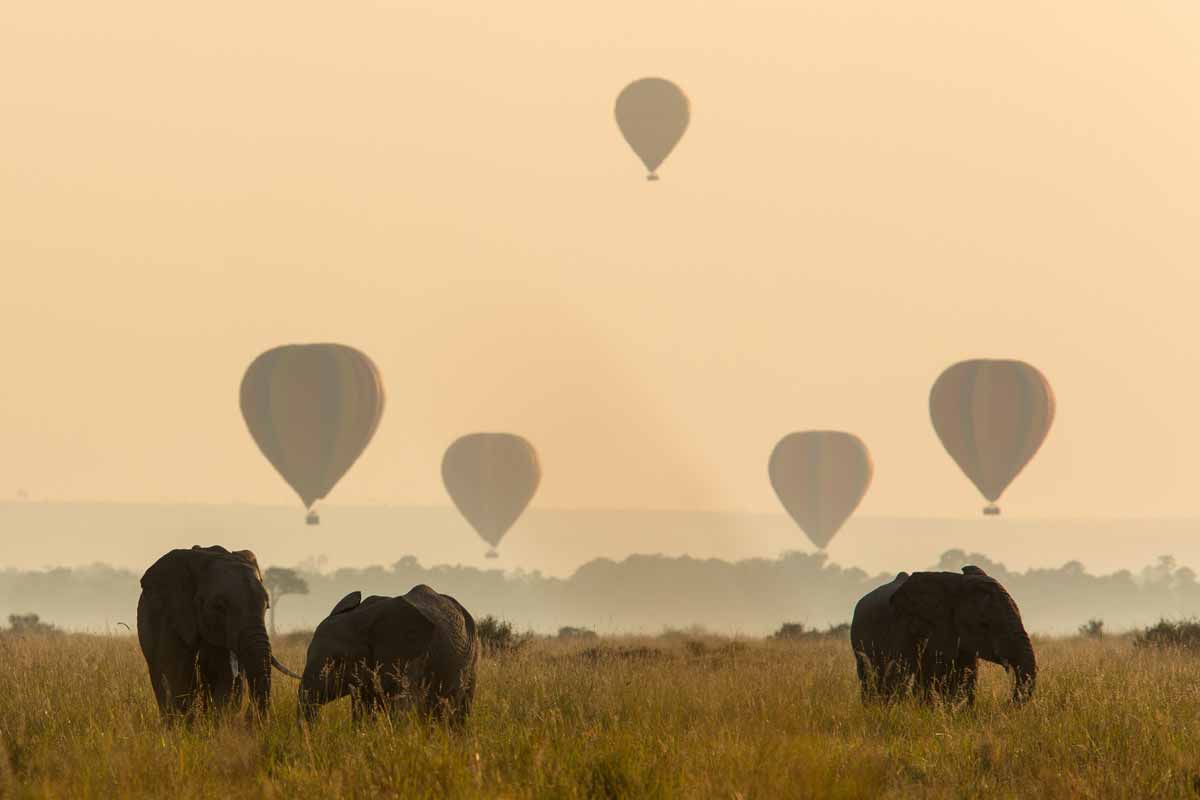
column 1092, row 629
column 793, row 631
column 497, row 636
column 29, row 625
column 638, row 653
column 568, row 632
column 684, row 634
column 1183, row 634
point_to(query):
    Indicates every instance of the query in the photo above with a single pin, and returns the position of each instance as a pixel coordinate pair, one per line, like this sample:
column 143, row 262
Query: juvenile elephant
column 417, row 650
column 200, row 625
column 932, row 628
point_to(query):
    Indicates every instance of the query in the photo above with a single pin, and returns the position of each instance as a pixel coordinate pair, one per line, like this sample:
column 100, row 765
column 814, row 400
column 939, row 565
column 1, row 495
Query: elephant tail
column 275, row 663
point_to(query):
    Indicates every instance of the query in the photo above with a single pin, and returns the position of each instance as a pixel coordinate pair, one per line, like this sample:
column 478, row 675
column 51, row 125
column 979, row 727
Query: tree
column 280, row 581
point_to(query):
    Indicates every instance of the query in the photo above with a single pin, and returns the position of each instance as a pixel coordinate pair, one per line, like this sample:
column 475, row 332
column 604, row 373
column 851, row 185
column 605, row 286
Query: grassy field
column 639, row 718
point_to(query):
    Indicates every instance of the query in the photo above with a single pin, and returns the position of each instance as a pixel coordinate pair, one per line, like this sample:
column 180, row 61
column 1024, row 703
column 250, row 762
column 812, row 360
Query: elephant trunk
column 1018, row 656
column 254, row 653
column 320, row 684
column 309, row 700
column 1024, row 667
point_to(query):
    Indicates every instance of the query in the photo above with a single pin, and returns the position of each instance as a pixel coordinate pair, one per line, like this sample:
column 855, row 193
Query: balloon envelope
column 992, row 416
column 652, row 114
column 312, row 409
column 820, row 477
column 491, row 477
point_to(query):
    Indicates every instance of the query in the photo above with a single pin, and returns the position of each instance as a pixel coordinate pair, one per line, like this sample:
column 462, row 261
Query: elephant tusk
column 233, row 664
column 275, row 663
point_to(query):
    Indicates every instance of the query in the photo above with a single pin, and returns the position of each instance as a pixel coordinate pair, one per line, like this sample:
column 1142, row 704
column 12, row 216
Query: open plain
column 677, row 716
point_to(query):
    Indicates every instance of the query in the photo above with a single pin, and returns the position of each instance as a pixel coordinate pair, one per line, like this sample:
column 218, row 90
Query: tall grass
column 618, row 718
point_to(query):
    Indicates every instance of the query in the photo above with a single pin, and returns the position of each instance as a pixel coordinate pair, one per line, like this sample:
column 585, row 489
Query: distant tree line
column 641, row 594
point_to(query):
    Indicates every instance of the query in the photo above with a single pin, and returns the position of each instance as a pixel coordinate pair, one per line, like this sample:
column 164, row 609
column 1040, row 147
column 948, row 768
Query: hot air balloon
column 652, row 114
column 820, row 477
column 491, row 477
column 312, row 409
column 992, row 416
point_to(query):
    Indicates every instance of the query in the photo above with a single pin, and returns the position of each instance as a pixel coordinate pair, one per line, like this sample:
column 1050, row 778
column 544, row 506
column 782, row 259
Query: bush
column 567, row 632
column 1092, row 629
column 684, row 634
column 1183, row 634
column 793, row 631
column 29, row 625
column 497, row 636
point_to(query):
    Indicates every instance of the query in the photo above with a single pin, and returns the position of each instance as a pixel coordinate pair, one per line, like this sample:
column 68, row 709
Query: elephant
column 202, row 632
column 419, row 650
column 932, row 628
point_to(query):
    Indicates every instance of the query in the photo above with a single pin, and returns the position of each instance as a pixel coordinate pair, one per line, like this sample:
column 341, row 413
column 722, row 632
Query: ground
column 678, row 717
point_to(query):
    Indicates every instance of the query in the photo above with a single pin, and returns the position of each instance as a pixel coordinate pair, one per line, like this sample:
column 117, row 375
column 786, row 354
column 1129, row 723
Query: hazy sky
column 868, row 193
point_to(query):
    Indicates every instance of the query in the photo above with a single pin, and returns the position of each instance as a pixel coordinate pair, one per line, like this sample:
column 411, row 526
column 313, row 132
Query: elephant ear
column 973, row 570
column 347, row 603
column 468, row 620
column 924, row 598
column 173, row 579
column 249, row 557
column 443, row 614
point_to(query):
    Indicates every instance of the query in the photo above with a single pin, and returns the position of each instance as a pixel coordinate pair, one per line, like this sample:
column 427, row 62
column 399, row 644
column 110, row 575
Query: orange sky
column 866, row 194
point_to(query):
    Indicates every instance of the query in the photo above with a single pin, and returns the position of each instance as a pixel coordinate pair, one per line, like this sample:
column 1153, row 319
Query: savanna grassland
column 700, row 717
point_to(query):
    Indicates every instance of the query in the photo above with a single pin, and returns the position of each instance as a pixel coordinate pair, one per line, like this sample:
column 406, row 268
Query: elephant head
column 969, row 615
column 421, row 645
column 217, row 598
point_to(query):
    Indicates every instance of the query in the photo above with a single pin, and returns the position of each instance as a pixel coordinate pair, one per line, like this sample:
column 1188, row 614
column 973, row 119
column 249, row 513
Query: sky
column 868, row 193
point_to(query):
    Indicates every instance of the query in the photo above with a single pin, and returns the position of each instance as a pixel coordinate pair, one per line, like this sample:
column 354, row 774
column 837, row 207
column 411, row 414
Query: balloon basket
column 313, row 518
column 491, row 554
column 991, row 511
column 651, row 177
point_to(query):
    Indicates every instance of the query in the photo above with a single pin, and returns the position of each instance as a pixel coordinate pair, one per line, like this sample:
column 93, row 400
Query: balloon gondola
column 312, row 518
column 491, row 554
column 991, row 511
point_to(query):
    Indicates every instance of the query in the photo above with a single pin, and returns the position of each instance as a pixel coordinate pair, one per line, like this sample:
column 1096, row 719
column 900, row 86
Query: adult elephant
column 201, row 628
column 418, row 650
column 931, row 628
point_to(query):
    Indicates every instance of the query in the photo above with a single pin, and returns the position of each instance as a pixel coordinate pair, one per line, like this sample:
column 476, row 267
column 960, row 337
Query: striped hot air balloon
column 491, row 477
column 820, row 477
column 992, row 416
column 312, row 409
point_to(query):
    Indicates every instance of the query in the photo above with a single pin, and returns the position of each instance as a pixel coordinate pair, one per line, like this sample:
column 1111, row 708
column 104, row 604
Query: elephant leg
column 949, row 685
column 174, row 678
column 892, row 675
column 400, row 690
column 216, row 676
column 364, row 693
column 465, row 701
column 364, row 703
column 959, row 682
column 872, row 677
column 170, row 662
column 970, row 674
column 938, row 675
column 864, row 669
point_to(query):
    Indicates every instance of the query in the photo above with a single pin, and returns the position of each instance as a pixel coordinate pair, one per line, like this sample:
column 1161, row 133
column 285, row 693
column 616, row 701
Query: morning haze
column 865, row 195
